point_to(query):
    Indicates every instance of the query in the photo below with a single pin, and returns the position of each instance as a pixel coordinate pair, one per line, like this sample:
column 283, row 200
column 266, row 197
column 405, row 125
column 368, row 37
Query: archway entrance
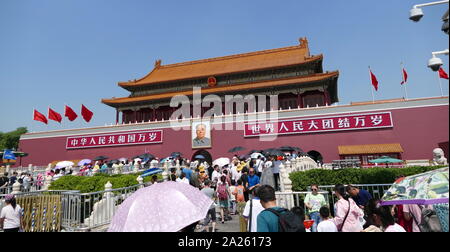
column 204, row 153
column 316, row 156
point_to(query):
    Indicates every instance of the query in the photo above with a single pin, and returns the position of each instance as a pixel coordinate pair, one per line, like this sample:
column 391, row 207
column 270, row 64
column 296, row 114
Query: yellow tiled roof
column 266, row 59
column 370, row 149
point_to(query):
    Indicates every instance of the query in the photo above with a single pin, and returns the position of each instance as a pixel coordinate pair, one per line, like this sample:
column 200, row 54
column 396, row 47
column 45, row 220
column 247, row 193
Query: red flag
column 39, row 117
column 443, row 74
column 374, row 80
column 69, row 113
column 55, row 116
column 405, row 77
column 86, row 113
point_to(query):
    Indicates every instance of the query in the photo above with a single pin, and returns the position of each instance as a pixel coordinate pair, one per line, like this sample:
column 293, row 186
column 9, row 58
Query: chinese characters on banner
column 127, row 138
column 317, row 125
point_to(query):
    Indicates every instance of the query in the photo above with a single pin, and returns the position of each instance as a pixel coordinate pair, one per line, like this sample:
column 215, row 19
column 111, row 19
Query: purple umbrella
column 84, row 162
column 163, row 207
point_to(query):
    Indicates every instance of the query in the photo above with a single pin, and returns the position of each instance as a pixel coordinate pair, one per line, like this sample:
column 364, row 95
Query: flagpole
column 440, row 84
column 404, row 81
column 371, row 86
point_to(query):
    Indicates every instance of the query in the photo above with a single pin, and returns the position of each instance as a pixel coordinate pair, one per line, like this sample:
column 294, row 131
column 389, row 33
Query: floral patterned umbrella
column 423, row 189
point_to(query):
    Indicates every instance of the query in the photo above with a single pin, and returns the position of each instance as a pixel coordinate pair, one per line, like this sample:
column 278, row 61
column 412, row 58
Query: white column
column 48, row 178
column 140, row 180
column 166, row 173
column 16, row 188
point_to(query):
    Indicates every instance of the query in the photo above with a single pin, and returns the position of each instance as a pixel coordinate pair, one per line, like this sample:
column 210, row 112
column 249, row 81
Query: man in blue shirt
column 253, row 180
column 267, row 221
column 360, row 196
column 187, row 172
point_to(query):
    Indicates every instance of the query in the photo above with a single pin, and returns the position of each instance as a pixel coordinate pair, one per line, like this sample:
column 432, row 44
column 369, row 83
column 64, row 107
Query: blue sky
column 57, row 52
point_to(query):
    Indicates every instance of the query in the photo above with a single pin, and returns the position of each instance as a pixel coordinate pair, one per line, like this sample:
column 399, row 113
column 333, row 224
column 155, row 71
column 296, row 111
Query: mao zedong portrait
column 201, row 140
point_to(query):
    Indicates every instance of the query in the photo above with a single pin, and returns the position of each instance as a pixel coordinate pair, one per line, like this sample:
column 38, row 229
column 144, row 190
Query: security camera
column 415, row 14
column 435, row 63
column 445, row 27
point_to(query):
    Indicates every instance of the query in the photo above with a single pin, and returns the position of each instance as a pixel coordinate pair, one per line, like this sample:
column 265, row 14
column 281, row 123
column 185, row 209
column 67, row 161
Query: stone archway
column 206, row 154
column 316, row 156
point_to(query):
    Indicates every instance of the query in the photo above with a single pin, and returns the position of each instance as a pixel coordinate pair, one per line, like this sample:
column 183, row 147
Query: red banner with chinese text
column 117, row 139
column 320, row 124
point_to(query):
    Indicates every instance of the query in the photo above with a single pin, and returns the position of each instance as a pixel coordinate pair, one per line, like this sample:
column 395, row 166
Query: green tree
column 10, row 140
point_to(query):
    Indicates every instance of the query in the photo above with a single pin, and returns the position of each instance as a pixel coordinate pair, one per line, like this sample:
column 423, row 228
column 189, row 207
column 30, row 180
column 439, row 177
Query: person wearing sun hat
column 10, row 216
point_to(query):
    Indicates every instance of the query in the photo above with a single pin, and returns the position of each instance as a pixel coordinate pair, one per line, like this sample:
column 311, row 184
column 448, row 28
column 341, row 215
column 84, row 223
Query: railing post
column 165, row 173
column 48, row 178
column 286, row 184
column 16, row 188
column 140, row 180
column 136, row 167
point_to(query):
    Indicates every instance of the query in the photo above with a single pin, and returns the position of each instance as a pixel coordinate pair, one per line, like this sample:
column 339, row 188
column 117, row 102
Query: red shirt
column 407, row 225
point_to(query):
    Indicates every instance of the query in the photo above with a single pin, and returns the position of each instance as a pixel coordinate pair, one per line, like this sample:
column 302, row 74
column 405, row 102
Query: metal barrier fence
column 91, row 211
column 376, row 190
column 289, row 200
column 41, row 210
column 88, row 211
column 31, row 186
column 75, row 211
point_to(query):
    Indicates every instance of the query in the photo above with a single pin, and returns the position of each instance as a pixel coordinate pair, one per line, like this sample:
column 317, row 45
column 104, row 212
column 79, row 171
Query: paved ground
column 228, row 226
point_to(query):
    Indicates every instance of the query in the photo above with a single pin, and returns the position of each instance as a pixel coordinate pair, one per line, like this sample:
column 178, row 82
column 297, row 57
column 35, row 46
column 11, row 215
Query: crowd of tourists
column 246, row 189
column 25, row 179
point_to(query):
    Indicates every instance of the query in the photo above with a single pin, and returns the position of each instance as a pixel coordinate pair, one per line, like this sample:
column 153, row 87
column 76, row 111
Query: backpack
column 239, row 191
column 222, row 192
column 288, row 221
column 430, row 221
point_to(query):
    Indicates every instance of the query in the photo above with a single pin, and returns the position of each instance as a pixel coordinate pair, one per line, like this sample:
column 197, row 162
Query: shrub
column 377, row 175
column 95, row 183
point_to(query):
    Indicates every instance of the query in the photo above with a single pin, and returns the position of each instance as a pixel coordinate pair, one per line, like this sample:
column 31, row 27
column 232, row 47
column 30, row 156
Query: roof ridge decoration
column 158, row 63
column 303, row 44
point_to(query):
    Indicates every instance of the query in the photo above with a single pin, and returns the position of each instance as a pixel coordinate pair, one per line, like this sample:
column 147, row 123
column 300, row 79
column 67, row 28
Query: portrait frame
column 207, row 135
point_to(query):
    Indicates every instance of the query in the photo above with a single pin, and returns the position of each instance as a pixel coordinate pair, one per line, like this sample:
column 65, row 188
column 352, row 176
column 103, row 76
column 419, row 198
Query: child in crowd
column 240, row 200
column 232, row 190
column 326, row 225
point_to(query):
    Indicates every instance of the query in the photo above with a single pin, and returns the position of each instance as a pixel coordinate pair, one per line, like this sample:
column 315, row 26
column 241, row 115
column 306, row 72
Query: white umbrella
column 221, row 161
column 123, row 159
column 137, row 160
column 63, row 164
column 256, row 155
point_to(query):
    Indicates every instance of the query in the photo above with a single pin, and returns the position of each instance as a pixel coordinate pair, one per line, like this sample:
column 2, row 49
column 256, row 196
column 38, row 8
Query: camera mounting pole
column 429, row 4
column 446, row 52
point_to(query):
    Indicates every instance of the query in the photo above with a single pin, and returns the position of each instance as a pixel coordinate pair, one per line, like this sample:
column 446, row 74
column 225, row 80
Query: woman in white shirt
column 11, row 215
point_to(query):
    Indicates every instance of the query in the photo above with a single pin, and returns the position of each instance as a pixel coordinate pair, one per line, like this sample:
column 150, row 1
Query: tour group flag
column 70, row 114
column 442, row 74
column 39, row 117
column 86, row 113
column 374, row 80
column 405, row 77
column 53, row 115
column 9, row 154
